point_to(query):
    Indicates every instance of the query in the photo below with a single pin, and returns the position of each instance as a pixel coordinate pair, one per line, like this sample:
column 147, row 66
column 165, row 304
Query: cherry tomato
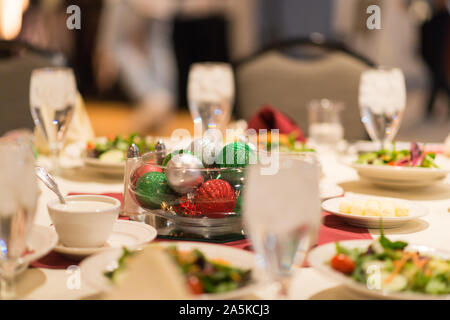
column 195, row 285
column 343, row 263
column 90, row 145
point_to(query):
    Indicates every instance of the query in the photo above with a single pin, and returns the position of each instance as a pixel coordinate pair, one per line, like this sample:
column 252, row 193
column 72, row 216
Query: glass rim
column 326, row 104
column 52, row 69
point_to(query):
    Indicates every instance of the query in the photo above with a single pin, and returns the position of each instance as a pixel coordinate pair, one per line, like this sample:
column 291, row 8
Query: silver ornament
column 182, row 174
column 206, row 148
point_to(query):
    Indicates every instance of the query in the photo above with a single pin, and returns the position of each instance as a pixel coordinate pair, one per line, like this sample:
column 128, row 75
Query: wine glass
column 382, row 101
column 210, row 94
column 53, row 95
column 281, row 213
column 18, row 200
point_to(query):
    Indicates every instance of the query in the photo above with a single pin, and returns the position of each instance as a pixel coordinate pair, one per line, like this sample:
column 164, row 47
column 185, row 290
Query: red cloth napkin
column 270, row 118
column 332, row 229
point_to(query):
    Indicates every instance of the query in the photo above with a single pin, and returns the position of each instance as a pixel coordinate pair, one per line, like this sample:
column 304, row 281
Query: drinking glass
column 281, row 213
column 325, row 127
column 18, row 200
column 53, row 95
column 210, row 94
column 382, row 101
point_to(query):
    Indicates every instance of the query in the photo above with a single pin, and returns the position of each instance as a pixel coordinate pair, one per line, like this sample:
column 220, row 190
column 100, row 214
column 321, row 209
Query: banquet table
column 432, row 230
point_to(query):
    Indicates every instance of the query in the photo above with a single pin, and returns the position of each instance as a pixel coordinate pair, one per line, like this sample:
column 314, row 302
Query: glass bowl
column 195, row 200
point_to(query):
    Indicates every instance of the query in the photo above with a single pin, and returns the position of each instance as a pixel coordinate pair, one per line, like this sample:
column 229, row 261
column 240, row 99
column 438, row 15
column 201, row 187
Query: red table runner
column 332, row 229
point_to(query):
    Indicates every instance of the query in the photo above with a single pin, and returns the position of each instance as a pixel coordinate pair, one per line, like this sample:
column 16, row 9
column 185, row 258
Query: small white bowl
column 81, row 228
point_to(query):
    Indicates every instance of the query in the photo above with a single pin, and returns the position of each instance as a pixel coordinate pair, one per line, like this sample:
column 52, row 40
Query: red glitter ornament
column 187, row 207
column 215, row 198
column 148, row 167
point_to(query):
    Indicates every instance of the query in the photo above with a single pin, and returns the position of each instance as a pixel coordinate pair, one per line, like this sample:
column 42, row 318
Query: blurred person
column 435, row 50
column 135, row 46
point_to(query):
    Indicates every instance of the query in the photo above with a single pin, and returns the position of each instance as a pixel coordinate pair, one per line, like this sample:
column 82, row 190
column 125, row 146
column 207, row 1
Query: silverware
column 49, row 181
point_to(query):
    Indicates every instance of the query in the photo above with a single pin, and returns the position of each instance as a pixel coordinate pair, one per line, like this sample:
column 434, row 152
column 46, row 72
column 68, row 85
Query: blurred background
column 131, row 57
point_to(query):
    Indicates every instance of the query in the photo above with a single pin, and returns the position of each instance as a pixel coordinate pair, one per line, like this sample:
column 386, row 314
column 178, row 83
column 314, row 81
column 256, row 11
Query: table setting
column 257, row 209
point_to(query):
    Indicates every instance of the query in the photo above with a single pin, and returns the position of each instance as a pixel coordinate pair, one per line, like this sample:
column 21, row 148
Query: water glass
column 382, row 101
column 210, row 94
column 325, row 127
column 53, row 96
column 18, row 200
column 281, row 213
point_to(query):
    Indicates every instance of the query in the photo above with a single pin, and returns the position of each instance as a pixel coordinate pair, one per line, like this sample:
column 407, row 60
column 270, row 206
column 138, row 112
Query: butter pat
column 374, row 208
column 357, row 207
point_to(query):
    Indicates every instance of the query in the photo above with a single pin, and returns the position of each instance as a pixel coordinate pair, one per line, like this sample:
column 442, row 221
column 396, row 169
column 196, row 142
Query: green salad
column 415, row 157
column 114, row 147
column 389, row 266
column 202, row 275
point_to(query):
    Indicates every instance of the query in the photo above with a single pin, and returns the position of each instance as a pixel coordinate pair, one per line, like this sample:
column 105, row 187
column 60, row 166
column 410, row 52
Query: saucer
column 125, row 233
column 41, row 241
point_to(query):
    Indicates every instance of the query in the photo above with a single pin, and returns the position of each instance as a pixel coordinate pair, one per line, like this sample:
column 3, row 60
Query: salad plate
column 95, row 267
column 106, row 155
column 125, row 233
column 368, row 267
column 414, row 167
column 415, row 211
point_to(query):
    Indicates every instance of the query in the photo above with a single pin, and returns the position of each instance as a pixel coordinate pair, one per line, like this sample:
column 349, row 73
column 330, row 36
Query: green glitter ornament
column 152, row 189
column 235, row 155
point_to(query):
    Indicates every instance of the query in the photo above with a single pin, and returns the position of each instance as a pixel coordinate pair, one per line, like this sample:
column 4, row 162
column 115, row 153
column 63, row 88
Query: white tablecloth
column 432, row 230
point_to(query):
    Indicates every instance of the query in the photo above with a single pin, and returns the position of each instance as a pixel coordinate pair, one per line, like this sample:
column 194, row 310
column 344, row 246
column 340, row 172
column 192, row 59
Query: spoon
column 49, row 181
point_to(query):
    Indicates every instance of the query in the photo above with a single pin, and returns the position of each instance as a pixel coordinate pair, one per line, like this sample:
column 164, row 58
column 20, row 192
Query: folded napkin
column 270, row 118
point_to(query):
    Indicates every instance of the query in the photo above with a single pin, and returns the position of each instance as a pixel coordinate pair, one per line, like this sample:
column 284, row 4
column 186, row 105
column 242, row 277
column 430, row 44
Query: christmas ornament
column 152, row 190
column 206, row 149
column 236, row 154
column 187, row 207
column 234, row 176
column 148, row 167
column 183, row 174
column 170, row 155
column 215, row 196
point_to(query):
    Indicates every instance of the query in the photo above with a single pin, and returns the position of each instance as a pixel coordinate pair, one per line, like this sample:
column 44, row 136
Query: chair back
column 17, row 61
column 290, row 74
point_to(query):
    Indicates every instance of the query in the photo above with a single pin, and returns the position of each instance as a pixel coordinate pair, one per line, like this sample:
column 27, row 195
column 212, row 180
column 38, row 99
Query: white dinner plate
column 319, row 258
column 125, row 233
column 103, row 167
column 40, row 242
column 415, row 211
column 400, row 177
column 93, row 268
column 330, row 190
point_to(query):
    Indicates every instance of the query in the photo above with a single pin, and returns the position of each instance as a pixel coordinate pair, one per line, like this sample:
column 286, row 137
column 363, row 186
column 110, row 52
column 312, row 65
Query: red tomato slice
column 195, row 285
column 343, row 263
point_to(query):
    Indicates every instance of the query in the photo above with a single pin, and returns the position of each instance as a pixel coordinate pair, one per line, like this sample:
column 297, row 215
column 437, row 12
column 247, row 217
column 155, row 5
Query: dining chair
column 17, row 60
column 289, row 74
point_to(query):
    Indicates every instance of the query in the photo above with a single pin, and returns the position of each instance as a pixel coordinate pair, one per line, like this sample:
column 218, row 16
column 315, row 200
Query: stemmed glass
column 210, row 94
column 382, row 101
column 282, row 213
column 18, row 200
column 53, row 95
